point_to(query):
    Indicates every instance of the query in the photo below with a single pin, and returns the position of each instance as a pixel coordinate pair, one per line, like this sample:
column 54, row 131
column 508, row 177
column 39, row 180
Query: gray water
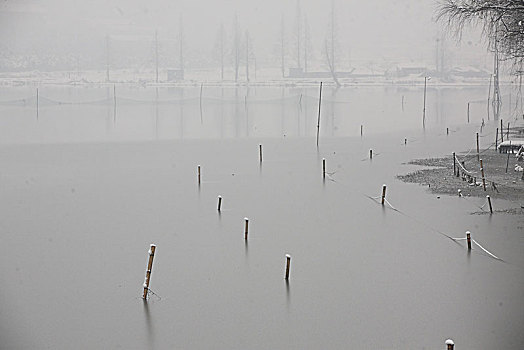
column 84, row 193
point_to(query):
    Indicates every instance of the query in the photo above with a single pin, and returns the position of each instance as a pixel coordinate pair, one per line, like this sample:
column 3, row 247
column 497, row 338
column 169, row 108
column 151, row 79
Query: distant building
column 411, row 70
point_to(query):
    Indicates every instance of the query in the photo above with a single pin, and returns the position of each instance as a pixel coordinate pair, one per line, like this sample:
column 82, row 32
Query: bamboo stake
column 496, row 139
column 478, row 149
column 148, row 271
column 468, row 112
column 201, row 88
column 246, row 228
column 454, row 164
column 501, row 132
column 199, row 174
column 319, row 104
column 260, row 152
column 383, row 194
column 219, row 203
column 507, row 161
column 288, row 264
column 324, row 168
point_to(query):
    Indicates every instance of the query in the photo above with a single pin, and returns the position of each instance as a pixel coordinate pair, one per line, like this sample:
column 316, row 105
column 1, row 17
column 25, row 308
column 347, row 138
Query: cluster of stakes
column 449, row 343
column 152, row 247
column 383, row 200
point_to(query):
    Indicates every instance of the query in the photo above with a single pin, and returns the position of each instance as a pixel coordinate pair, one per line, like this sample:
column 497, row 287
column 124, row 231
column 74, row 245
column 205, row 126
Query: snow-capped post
column 370, row 154
column 324, row 168
column 478, row 150
column 152, row 248
column 288, row 264
column 454, row 164
column 383, row 194
column 219, row 203
column 246, row 220
column 468, row 238
column 199, row 174
column 450, row 345
column 489, row 202
column 496, row 139
column 260, row 152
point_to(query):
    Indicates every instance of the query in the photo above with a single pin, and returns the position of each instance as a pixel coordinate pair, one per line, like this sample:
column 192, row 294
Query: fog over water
column 118, row 130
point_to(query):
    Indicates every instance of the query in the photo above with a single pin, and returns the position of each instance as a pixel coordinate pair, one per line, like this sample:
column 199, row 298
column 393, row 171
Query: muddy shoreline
column 437, row 176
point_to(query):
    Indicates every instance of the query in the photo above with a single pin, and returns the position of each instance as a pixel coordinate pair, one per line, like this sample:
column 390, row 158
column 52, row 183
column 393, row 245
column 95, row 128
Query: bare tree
column 181, row 43
column 282, row 46
column 248, row 54
column 220, row 49
column 298, row 33
column 236, row 46
column 107, row 57
column 502, row 22
column 330, row 44
column 307, row 44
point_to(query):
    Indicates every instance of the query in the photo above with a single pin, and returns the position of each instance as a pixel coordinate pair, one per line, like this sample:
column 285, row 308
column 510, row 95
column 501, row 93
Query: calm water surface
column 85, row 191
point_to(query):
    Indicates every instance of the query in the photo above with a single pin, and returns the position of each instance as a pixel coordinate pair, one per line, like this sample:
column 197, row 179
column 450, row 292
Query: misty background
column 374, row 37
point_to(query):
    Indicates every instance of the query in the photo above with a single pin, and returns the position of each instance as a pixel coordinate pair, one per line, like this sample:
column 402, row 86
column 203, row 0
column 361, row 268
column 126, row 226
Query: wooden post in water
column 383, row 194
column 288, row 265
column 454, row 164
column 496, row 139
column 468, row 238
column 483, row 178
column 319, row 104
column 489, row 202
column 219, row 203
column 199, row 174
column 324, row 168
column 148, row 271
column 201, row 90
column 507, row 161
column 260, row 152
column 37, row 103
column 450, row 345
column 478, row 149
column 501, row 132
column 246, row 228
